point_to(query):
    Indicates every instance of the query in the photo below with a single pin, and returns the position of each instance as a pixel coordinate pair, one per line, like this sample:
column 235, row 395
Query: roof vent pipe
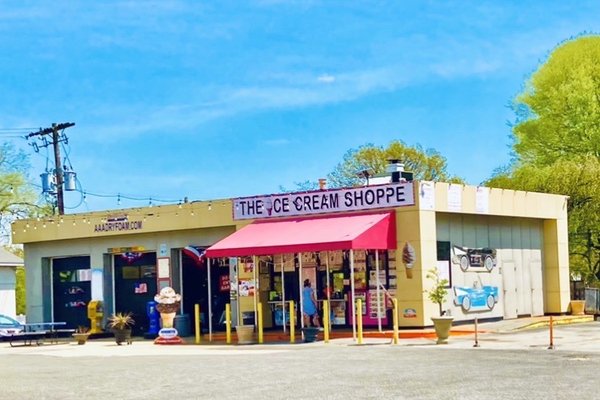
column 395, row 168
column 394, row 165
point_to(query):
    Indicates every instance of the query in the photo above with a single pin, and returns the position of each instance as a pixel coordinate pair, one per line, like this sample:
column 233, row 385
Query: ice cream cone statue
column 167, row 304
column 167, row 319
column 408, row 258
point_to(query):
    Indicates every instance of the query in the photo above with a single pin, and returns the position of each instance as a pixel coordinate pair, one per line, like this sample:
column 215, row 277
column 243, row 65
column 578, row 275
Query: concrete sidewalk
column 501, row 333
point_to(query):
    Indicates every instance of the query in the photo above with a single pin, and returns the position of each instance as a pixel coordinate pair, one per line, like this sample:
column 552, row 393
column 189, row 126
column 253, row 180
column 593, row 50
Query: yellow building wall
column 79, row 234
column 186, row 216
column 417, row 228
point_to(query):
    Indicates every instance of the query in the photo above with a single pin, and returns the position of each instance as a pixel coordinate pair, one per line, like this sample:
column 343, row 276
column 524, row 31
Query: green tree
column 20, row 293
column 425, row 164
column 578, row 178
column 17, row 197
column 557, row 143
column 17, row 200
column 558, row 113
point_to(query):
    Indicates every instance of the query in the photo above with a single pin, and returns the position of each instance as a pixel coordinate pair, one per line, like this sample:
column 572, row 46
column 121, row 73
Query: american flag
column 141, row 288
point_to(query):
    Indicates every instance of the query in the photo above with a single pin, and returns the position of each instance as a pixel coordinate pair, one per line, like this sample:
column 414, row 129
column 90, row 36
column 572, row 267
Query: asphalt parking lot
column 515, row 365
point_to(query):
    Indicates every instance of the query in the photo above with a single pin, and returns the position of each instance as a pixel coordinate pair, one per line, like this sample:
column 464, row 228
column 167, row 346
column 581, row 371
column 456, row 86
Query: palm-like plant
column 121, row 321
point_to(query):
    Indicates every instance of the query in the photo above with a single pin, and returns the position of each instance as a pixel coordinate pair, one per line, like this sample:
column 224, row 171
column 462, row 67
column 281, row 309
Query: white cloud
column 326, row 78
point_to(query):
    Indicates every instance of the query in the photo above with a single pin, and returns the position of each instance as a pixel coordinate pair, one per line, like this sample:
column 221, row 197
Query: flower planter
column 245, row 334
column 310, row 334
column 81, row 338
column 442, row 327
column 577, row 307
column 122, row 336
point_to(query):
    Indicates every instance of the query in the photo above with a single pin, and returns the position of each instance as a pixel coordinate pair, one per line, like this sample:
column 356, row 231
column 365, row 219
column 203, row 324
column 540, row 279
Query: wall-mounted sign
column 118, row 223
column 164, row 267
column 123, row 250
column 324, row 201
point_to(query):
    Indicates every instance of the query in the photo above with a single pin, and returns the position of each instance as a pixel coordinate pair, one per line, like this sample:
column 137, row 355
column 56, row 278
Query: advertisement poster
column 482, row 200
column 373, row 278
column 224, row 283
column 338, row 312
column 248, row 267
column 426, row 195
column 246, row 287
column 455, row 197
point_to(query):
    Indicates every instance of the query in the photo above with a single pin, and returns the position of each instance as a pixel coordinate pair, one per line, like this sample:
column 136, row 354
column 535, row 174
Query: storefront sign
column 123, row 250
column 324, row 201
column 118, row 223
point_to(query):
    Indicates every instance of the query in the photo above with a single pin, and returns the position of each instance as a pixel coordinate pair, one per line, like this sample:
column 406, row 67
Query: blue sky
column 223, row 99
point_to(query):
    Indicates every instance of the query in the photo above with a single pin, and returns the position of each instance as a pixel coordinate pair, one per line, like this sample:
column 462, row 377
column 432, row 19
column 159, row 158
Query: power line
column 120, row 195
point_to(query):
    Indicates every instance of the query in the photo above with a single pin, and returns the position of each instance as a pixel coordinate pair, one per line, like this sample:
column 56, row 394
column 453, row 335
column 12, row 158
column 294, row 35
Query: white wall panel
column 518, row 270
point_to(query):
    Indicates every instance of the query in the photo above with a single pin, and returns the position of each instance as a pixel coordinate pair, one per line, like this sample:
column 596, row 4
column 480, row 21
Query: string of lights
column 194, row 209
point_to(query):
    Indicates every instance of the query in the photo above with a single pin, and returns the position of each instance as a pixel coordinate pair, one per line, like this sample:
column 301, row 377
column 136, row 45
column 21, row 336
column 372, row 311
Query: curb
column 561, row 321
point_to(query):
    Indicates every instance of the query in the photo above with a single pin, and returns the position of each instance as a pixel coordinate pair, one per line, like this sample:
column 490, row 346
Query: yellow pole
column 292, row 323
column 359, row 320
column 228, row 322
column 260, row 323
column 395, row 321
column 197, row 322
column 326, row 321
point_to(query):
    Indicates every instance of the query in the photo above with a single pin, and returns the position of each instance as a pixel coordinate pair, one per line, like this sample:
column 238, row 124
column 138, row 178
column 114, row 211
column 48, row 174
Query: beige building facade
column 504, row 253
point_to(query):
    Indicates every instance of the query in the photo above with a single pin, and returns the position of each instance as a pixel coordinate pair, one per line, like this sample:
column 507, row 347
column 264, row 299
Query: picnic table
column 37, row 332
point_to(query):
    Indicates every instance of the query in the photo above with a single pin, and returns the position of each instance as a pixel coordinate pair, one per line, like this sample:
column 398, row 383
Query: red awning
column 298, row 235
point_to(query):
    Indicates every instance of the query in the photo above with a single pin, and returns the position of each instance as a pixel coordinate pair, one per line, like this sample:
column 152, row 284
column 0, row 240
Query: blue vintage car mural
column 476, row 298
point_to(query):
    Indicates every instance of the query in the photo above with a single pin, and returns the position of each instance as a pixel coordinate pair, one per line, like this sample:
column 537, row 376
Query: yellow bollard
column 228, row 323
column 197, row 322
column 260, row 323
column 359, row 320
column 326, row 321
column 395, row 321
column 292, row 323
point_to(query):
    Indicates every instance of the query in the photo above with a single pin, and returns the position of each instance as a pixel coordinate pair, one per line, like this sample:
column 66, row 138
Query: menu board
column 373, row 304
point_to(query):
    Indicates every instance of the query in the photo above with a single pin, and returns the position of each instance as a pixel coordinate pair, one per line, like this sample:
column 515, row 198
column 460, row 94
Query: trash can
column 182, row 323
column 592, row 301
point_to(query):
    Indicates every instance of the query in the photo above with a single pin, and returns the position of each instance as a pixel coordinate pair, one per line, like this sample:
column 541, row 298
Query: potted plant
column 81, row 334
column 437, row 294
column 121, row 324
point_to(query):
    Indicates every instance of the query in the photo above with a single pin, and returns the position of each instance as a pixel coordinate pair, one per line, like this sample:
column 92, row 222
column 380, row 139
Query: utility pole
column 58, row 173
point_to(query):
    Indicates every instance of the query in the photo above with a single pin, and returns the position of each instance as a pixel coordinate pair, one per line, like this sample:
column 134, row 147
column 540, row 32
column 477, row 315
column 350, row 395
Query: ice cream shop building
column 504, row 254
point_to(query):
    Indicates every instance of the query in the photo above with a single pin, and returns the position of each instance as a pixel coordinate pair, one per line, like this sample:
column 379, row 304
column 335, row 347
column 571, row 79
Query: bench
column 27, row 338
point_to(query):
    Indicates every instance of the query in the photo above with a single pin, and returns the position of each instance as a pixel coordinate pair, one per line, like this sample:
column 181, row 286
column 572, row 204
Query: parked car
column 9, row 326
column 483, row 257
column 477, row 296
